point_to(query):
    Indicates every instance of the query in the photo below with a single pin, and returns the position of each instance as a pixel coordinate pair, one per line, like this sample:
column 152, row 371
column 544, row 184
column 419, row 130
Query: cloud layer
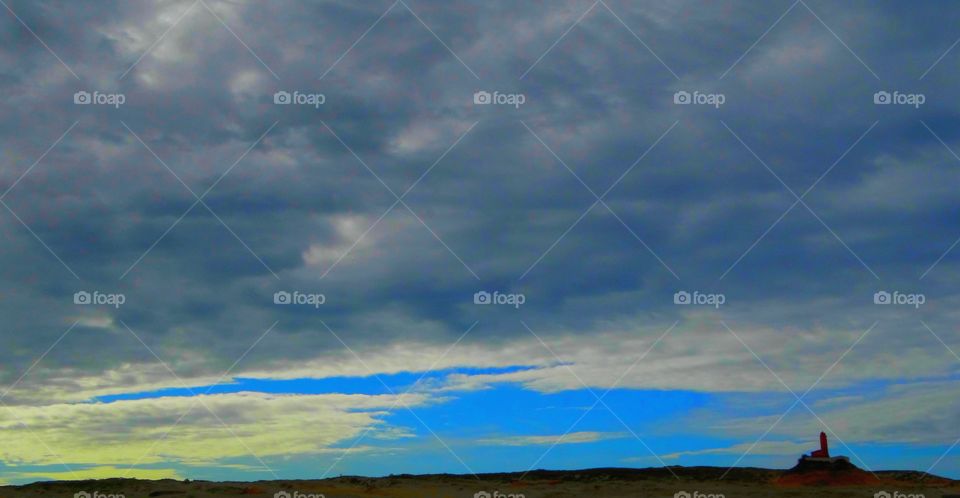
column 399, row 198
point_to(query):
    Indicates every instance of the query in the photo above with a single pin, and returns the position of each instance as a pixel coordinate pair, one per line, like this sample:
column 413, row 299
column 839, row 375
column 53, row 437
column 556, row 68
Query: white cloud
column 778, row 448
column 124, row 433
column 571, row 438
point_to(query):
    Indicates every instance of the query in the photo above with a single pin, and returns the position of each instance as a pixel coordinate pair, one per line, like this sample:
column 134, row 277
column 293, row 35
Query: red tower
column 824, row 451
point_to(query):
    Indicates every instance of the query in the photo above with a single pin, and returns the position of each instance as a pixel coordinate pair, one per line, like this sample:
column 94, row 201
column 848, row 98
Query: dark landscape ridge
column 806, row 479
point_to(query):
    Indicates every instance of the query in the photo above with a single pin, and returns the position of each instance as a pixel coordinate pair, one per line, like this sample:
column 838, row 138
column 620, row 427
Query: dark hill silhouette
column 818, row 479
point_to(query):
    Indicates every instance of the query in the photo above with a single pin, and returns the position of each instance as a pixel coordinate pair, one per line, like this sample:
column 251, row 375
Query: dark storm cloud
column 499, row 199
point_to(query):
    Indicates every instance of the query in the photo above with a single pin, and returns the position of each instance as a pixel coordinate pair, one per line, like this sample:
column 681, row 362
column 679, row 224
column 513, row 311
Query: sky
column 247, row 240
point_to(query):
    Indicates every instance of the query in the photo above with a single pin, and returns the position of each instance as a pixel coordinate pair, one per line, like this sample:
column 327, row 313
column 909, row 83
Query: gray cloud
column 498, row 204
